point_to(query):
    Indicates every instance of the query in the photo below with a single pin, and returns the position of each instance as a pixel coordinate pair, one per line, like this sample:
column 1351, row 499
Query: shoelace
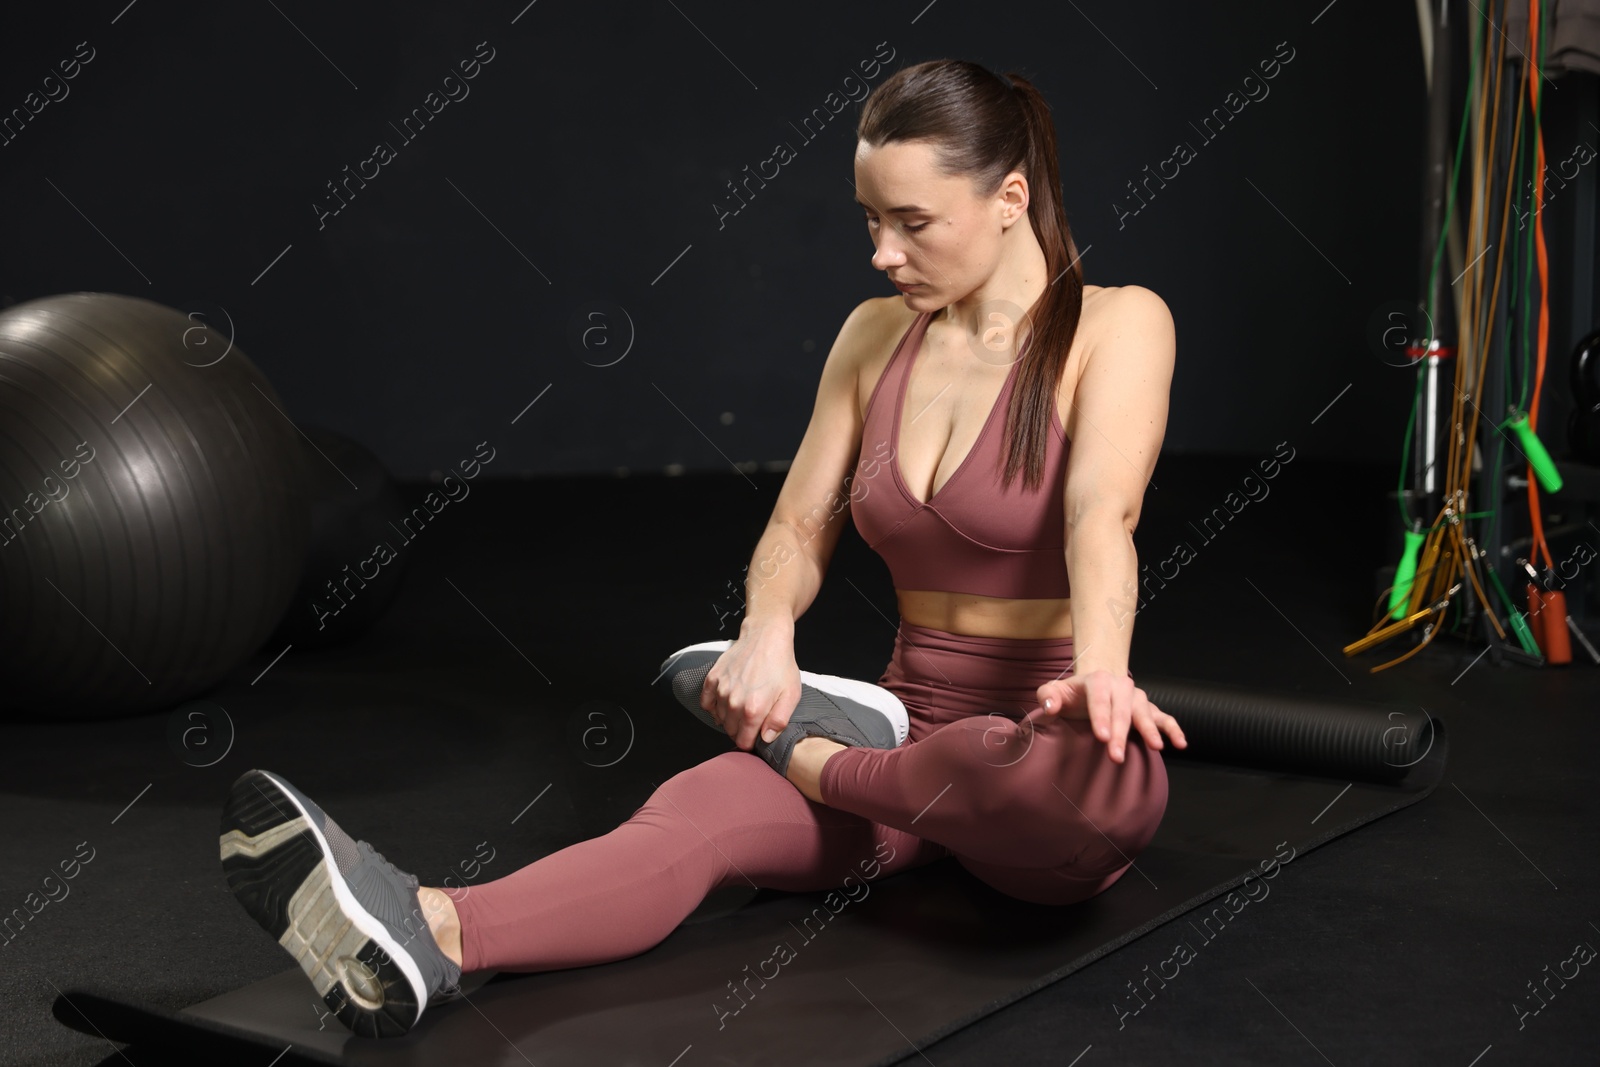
column 410, row 882
column 447, row 990
column 406, row 878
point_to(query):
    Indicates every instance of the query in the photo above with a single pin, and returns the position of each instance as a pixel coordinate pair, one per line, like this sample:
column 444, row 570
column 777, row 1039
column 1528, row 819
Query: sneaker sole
column 280, row 868
column 866, row 693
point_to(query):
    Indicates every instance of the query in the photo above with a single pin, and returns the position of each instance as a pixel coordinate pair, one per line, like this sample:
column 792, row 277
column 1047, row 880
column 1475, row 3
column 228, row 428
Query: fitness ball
column 155, row 515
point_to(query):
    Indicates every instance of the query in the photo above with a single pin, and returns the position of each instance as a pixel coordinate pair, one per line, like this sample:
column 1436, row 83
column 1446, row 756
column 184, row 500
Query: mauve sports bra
column 969, row 537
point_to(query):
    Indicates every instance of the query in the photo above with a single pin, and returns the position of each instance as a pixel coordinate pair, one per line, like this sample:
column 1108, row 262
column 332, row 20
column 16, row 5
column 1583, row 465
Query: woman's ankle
column 444, row 922
column 806, row 762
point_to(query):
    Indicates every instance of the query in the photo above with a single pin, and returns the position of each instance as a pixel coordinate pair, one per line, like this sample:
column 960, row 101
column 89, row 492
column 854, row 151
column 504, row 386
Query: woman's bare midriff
column 966, row 613
column 986, row 616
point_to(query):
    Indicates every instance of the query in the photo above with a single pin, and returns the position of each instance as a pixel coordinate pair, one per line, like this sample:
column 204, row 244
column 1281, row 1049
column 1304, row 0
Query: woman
column 978, row 441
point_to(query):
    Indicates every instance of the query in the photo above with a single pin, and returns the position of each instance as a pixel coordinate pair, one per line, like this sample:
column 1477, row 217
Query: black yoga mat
column 872, row 975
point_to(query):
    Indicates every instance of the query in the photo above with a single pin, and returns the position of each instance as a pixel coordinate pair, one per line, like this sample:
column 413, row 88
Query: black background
column 587, row 159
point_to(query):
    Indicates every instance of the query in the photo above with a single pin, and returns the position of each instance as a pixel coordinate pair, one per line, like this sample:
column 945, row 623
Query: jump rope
column 1435, row 561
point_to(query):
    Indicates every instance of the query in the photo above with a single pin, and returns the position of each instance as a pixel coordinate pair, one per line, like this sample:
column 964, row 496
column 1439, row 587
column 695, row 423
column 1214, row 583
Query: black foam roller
column 1370, row 741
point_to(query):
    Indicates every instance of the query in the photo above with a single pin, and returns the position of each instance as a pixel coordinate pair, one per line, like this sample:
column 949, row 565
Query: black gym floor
column 1416, row 939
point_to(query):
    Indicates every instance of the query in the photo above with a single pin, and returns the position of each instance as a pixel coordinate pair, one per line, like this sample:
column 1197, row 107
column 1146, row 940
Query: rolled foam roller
column 1370, row 741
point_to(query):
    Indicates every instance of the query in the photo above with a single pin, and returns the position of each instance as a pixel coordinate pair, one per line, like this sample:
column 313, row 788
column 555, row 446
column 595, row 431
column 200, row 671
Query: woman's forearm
column 782, row 581
column 1102, row 566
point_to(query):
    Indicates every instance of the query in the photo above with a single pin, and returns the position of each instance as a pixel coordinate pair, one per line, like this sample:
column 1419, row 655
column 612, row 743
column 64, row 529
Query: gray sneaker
column 845, row 710
column 349, row 917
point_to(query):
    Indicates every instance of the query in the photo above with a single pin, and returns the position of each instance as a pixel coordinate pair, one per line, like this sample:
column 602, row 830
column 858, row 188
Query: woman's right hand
column 754, row 686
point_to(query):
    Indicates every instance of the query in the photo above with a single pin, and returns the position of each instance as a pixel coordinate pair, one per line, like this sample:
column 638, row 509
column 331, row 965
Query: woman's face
column 934, row 238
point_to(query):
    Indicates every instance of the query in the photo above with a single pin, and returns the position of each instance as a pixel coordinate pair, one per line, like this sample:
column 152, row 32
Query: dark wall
column 586, row 170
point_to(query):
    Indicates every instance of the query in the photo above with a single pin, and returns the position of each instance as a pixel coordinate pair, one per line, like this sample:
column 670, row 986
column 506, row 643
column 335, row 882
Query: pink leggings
column 1031, row 804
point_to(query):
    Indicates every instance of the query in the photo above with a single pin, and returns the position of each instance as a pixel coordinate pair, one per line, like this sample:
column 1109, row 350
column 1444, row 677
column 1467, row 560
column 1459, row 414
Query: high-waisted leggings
column 1031, row 804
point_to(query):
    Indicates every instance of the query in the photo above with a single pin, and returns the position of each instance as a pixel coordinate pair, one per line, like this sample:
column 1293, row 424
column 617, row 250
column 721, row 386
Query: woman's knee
column 756, row 828
column 723, row 782
column 1074, row 811
column 1127, row 826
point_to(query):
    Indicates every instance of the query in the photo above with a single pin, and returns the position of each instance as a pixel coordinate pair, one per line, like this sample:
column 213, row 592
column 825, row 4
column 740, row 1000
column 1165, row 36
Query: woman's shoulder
column 868, row 339
column 877, row 314
column 888, row 313
column 1120, row 304
column 880, row 323
column 1111, row 312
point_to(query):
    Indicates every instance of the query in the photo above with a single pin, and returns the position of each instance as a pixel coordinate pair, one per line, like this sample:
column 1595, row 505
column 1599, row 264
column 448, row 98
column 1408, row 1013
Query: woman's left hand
column 1110, row 703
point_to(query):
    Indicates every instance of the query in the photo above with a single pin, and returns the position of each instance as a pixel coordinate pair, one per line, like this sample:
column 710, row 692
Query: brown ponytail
column 985, row 127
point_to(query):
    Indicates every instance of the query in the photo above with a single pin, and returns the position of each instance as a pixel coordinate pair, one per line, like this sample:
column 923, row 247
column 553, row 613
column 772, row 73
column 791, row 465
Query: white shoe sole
column 867, row 693
column 282, row 870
